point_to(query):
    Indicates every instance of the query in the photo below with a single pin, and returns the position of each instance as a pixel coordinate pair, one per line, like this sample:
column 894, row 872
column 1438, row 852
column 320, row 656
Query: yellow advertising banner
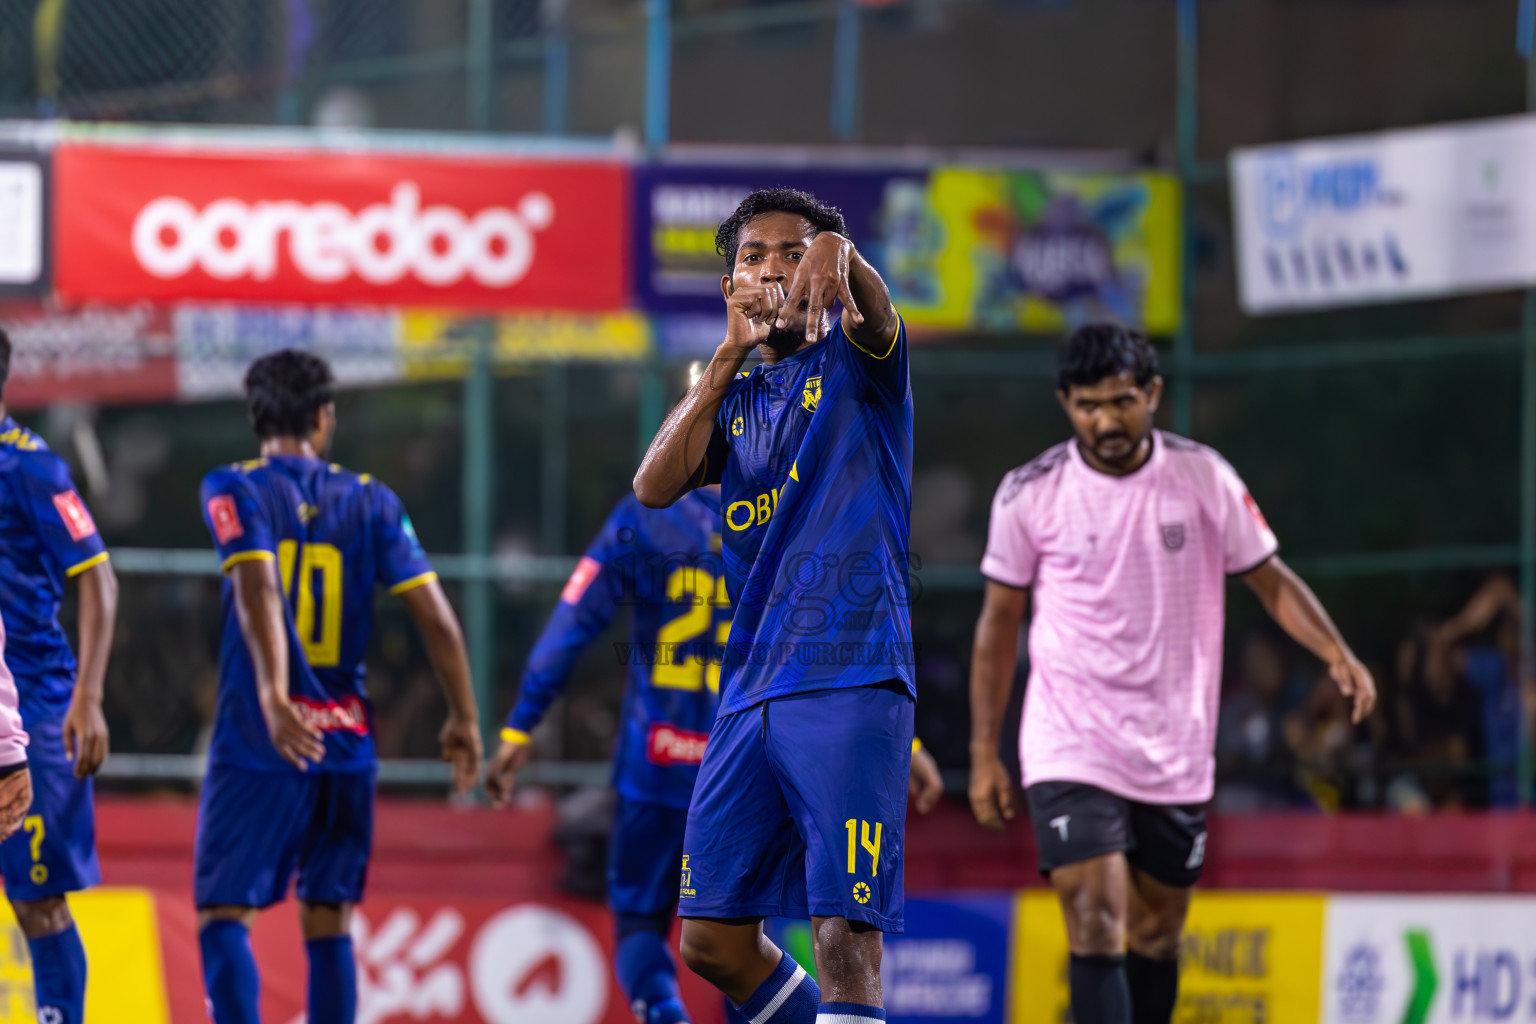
column 122, row 943
column 1248, row 958
column 1034, row 251
column 436, row 345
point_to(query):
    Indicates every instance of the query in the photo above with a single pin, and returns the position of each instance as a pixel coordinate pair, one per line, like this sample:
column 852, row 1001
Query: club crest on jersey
column 1173, row 536
column 811, row 397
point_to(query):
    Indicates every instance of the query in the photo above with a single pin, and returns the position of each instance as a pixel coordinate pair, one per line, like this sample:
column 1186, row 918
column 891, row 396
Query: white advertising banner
column 1430, row 960
column 1386, row 217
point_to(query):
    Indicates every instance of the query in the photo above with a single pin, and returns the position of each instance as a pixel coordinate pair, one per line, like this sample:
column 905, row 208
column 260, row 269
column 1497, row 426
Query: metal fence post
column 652, row 403
column 557, row 62
column 1186, row 127
column 479, row 499
column 658, row 71
column 1527, row 669
column 847, row 48
column 480, row 64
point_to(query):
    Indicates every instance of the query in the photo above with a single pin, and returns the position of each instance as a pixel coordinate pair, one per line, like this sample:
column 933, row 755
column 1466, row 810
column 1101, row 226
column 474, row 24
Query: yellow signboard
column 437, row 345
column 122, row 943
column 1248, row 958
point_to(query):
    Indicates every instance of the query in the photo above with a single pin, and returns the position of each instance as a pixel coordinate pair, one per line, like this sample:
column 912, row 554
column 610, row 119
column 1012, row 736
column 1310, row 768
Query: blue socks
column 789, row 996
column 849, row 1013
column 229, row 973
column 58, row 975
column 647, row 974
column 332, row 980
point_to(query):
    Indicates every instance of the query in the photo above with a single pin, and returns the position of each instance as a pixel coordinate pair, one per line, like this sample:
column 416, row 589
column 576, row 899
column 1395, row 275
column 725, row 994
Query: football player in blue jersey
column 291, row 768
column 800, row 805
column 665, row 566
column 46, row 537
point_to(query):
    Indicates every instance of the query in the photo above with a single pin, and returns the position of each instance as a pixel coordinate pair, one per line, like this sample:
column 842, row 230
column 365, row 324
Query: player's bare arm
column 994, row 657
column 85, row 727
column 444, row 640
column 1291, row 603
column 259, row 607
column 15, row 801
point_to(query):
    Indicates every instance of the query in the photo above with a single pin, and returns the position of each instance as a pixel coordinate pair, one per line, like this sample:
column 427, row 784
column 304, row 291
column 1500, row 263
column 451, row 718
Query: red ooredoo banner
column 134, row 223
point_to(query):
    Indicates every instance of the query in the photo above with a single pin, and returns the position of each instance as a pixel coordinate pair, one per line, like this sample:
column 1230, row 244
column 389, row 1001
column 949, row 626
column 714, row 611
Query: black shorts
column 1076, row 822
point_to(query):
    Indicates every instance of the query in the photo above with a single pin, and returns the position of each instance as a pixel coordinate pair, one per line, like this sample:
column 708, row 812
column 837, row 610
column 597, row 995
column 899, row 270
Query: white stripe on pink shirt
column 1128, row 580
column 13, row 736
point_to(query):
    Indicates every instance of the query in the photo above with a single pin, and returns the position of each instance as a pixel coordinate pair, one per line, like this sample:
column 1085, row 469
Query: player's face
column 769, row 249
column 1113, row 418
column 325, row 430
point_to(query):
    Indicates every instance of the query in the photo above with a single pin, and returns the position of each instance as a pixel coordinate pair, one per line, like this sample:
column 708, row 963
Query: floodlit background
column 1391, row 444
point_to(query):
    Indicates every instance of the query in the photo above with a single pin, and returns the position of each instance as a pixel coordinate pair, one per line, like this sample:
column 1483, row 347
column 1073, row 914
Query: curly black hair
column 286, row 391
column 1096, row 351
column 5, row 359
column 775, row 200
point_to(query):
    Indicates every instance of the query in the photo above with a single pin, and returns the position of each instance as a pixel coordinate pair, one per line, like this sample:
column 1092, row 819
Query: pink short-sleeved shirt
column 1128, row 576
column 13, row 737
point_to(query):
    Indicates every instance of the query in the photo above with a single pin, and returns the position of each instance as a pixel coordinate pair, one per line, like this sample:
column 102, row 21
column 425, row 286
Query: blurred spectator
column 1256, row 765
column 1481, row 644
column 1440, row 721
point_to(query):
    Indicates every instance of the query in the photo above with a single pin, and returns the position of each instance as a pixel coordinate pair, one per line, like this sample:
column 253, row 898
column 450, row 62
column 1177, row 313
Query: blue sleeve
column 886, row 372
column 62, row 522
column 402, row 564
column 587, row 605
column 235, row 520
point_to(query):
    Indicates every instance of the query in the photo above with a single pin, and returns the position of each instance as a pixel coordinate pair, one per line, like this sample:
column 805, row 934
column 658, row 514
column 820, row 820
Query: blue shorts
column 256, row 829
column 55, row 851
column 801, row 808
column 644, row 852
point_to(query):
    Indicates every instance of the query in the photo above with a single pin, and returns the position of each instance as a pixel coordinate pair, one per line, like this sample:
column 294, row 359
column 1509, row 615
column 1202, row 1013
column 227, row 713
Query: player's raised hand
column 85, row 735
column 1355, row 682
column 822, row 279
column 501, row 772
column 751, row 311
column 991, row 791
column 460, row 740
column 926, row 784
column 298, row 742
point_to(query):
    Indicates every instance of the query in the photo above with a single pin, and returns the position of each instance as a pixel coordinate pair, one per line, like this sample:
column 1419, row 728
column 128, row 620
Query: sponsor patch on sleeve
column 581, row 578
column 225, row 518
column 76, row 519
column 1253, row 507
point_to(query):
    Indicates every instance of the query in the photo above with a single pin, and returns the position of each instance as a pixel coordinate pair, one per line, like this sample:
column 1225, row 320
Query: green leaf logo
column 1425, row 981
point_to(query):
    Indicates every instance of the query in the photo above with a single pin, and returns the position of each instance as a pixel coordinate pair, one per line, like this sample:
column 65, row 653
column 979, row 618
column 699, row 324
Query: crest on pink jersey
column 1173, row 536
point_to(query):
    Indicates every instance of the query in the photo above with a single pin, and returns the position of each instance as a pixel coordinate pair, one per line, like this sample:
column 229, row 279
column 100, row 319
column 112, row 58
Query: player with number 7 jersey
column 304, row 544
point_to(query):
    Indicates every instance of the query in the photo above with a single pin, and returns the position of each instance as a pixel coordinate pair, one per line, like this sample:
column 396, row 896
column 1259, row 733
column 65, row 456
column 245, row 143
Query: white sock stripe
column 845, row 1018
column 781, row 997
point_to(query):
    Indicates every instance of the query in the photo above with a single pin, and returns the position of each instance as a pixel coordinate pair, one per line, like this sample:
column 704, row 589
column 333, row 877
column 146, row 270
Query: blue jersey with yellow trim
column 46, row 536
column 335, row 536
column 814, row 454
column 664, row 566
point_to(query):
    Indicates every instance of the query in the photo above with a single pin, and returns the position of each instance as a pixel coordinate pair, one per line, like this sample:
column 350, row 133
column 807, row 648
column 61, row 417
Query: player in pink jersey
column 15, row 780
column 1125, row 536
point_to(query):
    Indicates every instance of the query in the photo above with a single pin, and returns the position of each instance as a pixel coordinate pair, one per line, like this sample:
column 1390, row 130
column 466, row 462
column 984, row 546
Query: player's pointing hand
column 297, row 741
column 822, row 279
column 1355, row 682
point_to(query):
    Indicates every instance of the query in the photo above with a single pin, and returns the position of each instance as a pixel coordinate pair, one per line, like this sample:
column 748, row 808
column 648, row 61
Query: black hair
column 1096, row 351
column 286, row 391
column 775, row 200
column 5, row 359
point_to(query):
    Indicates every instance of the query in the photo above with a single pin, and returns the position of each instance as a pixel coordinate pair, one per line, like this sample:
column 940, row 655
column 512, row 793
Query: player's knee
column 324, row 920
column 847, row 954
column 1157, row 936
column 708, row 954
column 1098, row 923
column 47, row 916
